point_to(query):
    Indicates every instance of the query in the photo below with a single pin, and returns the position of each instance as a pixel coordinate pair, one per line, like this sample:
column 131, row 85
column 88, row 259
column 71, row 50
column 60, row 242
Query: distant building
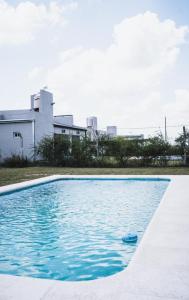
column 22, row 130
column 134, row 137
column 92, row 122
column 102, row 133
column 92, row 131
column 111, row 131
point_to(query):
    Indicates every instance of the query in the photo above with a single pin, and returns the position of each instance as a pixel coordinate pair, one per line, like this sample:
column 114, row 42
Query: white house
column 22, row 130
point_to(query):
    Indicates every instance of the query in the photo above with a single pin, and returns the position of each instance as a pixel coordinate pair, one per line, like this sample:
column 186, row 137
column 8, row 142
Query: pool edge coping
column 42, row 180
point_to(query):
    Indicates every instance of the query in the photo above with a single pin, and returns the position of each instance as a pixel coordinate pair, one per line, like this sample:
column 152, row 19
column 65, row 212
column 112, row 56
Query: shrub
column 16, row 161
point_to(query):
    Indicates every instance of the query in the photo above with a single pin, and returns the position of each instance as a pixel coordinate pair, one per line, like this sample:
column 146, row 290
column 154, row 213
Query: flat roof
column 63, row 116
column 16, row 121
column 56, row 124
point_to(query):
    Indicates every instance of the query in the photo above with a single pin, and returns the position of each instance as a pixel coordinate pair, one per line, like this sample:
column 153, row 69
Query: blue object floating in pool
column 130, row 238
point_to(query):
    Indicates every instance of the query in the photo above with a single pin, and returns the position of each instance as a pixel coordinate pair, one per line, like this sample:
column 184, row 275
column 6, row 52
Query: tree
column 54, row 150
column 122, row 149
column 103, row 145
column 182, row 143
column 82, row 152
column 155, row 149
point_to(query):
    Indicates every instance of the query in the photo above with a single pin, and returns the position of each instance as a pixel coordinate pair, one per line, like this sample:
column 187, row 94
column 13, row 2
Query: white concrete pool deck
column 158, row 270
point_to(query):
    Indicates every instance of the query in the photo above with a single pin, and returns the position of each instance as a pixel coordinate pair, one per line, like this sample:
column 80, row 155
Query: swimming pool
column 72, row 229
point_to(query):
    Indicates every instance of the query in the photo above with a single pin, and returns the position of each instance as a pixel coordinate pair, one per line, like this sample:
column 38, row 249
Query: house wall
column 32, row 132
column 10, row 144
column 44, row 117
column 70, row 132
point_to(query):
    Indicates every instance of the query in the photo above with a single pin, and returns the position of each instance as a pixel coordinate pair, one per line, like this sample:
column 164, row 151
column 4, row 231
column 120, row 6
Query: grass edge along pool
column 71, row 229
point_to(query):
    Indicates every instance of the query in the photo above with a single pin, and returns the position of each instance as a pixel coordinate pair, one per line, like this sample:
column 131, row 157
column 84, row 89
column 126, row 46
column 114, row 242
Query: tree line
column 113, row 152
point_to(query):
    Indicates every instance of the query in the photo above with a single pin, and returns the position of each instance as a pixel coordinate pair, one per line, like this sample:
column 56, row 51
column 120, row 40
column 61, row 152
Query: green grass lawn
column 14, row 175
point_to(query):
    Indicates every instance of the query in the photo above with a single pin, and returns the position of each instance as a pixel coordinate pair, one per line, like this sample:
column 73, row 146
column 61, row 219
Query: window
column 78, row 132
column 17, row 134
column 63, row 130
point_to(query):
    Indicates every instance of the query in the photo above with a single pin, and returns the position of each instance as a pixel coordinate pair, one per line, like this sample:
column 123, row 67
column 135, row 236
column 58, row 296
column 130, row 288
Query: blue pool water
column 73, row 229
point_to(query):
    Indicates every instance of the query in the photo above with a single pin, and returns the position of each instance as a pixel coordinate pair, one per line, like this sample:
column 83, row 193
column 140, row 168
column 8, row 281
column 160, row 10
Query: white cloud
column 20, row 24
column 121, row 83
column 35, row 73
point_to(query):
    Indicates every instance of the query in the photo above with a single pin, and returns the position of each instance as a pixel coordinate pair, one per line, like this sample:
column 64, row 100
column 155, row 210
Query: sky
column 124, row 61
